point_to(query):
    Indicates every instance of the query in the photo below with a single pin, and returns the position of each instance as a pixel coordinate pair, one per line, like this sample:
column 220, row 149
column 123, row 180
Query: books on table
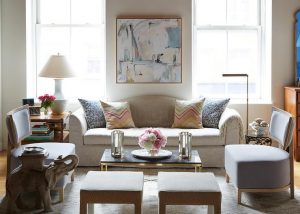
column 41, row 133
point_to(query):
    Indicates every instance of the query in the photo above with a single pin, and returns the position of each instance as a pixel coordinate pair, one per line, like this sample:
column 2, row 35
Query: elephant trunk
column 59, row 168
column 69, row 162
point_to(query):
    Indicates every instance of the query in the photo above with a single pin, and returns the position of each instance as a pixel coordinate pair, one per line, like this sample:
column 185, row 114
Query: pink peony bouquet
column 152, row 139
column 47, row 100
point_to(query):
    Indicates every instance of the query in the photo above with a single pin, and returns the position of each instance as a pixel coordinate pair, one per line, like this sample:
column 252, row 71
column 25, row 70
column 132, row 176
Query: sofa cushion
column 93, row 113
column 152, row 110
column 212, row 112
column 200, row 137
column 117, row 115
column 188, row 114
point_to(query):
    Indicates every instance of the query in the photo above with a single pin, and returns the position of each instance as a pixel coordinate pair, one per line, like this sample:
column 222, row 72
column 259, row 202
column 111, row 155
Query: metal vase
column 117, row 137
column 185, row 145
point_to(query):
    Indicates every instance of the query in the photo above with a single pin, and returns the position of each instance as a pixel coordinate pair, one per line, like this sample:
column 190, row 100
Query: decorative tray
column 144, row 154
column 34, row 149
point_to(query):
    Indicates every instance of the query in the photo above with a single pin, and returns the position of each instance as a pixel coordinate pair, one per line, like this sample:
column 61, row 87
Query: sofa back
column 152, row 110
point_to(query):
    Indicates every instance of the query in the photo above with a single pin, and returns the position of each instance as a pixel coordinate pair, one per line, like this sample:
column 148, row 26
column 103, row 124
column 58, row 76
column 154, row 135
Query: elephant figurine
column 41, row 181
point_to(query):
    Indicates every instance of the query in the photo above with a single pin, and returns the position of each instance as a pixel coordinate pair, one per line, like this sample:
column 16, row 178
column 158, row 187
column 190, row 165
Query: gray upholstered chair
column 18, row 126
column 259, row 168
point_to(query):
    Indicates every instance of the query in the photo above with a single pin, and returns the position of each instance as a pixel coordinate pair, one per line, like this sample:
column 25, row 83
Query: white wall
column 13, row 23
column 14, row 52
column 1, row 143
column 177, row 8
column 283, row 70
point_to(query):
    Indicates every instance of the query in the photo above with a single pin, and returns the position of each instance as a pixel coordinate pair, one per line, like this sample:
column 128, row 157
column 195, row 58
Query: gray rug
column 252, row 202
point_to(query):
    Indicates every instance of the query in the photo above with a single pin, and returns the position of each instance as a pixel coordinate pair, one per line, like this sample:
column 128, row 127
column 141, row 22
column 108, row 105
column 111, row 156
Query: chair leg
column 161, row 208
column 83, row 207
column 239, row 196
column 292, row 191
column 138, row 208
column 227, row 178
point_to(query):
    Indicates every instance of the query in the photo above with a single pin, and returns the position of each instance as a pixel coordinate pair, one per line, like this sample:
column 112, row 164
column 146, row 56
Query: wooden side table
column 56, row 122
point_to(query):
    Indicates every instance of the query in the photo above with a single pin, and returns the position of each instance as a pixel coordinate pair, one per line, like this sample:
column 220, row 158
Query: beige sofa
column 156, row 111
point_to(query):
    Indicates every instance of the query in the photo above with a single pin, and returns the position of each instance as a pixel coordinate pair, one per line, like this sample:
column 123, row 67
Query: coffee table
column 128, row 160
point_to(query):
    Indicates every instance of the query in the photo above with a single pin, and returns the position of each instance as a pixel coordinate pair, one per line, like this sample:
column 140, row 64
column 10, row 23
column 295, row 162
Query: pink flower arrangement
column 47, row 100
column 152, row 139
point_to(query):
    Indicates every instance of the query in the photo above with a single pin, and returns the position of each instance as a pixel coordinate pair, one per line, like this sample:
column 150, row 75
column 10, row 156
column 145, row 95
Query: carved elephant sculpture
column 43, row 181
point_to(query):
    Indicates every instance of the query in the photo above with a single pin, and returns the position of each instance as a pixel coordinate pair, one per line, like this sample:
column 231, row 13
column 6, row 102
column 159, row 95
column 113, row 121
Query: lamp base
column 59, row 106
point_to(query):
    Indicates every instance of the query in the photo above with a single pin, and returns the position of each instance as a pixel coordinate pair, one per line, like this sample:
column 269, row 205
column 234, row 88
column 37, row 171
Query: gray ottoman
column 188, row 188
column 112, row 187
column 256, row 168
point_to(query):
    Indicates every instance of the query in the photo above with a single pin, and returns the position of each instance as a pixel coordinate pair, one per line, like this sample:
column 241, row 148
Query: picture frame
column 149, row 50
column 29, row 101
column 34, row 110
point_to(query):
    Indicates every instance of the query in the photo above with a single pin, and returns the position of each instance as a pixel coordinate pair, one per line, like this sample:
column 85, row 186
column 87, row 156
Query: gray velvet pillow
column 93, row 113
column 212, row 112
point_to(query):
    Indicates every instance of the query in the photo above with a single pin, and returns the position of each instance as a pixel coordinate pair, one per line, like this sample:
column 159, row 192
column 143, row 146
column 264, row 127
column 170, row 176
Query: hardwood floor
column 3, row 173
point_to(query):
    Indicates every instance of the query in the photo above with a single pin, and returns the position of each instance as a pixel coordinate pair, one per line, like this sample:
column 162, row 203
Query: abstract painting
column 149, row 50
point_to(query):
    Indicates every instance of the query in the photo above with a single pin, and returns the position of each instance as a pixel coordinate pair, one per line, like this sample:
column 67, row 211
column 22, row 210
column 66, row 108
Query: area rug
column 252, row 202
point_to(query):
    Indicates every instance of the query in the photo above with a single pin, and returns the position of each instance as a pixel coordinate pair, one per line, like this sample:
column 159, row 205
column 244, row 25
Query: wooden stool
column 188, row 188
column 112, row 188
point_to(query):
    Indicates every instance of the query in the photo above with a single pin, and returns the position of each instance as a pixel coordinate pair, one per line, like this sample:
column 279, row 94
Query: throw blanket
column 231, row 116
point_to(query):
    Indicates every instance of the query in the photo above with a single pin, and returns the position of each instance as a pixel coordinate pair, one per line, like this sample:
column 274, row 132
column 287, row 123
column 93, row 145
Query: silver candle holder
column 117, row 137
column 185, row 145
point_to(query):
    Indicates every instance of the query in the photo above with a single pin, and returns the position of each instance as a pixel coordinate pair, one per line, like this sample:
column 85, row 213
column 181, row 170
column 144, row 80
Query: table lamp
column 242, row 75
column 58, row 68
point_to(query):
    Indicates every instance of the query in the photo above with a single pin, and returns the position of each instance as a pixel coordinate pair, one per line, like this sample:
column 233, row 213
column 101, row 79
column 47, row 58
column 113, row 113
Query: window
column 74, row 28
column 230, row 38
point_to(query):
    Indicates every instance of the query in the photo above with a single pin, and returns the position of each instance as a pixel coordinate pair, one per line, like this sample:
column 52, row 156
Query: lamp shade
column 57, row 67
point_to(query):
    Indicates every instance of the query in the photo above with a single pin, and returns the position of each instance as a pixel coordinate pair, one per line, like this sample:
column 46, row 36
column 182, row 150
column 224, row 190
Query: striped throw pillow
column 117, row 115
column 188, row 114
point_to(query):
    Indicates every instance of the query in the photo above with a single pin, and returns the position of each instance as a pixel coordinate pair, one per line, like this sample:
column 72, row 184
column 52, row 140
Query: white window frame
column 264, row 58
column 34, row 26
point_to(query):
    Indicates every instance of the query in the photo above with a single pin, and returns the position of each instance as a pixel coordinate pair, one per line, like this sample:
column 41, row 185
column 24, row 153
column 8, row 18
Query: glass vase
column 46, row 111
column 117, row 137
column 185, row 145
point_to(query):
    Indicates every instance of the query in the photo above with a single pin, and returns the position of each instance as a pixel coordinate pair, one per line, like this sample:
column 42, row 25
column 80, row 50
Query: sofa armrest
column 231, row 127
column 78, row 126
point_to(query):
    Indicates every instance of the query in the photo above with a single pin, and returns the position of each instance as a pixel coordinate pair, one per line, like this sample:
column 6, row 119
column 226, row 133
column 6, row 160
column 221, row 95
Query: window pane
column 84, row 46
column 211, row 12
column 87, row 11
column 54, row 11
column 87, row 51
column 243, row 53
column 211, row 55
column 51, row 40
column 221, row 52
column 242, row 12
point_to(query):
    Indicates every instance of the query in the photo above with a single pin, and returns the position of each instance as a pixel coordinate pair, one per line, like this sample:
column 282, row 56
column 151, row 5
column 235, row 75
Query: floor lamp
column 242, row 75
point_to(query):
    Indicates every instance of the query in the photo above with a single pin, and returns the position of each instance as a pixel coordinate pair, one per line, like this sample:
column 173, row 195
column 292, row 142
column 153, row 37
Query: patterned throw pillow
column 117, row 115
column 93, row 113
column 212, row 112
column 188, row 114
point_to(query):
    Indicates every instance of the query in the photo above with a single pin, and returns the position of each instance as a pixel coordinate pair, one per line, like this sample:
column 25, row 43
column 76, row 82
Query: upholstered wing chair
column 259, row 168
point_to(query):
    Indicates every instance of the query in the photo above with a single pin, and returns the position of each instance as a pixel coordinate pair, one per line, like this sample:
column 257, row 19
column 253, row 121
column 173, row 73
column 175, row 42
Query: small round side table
column 257, row 139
